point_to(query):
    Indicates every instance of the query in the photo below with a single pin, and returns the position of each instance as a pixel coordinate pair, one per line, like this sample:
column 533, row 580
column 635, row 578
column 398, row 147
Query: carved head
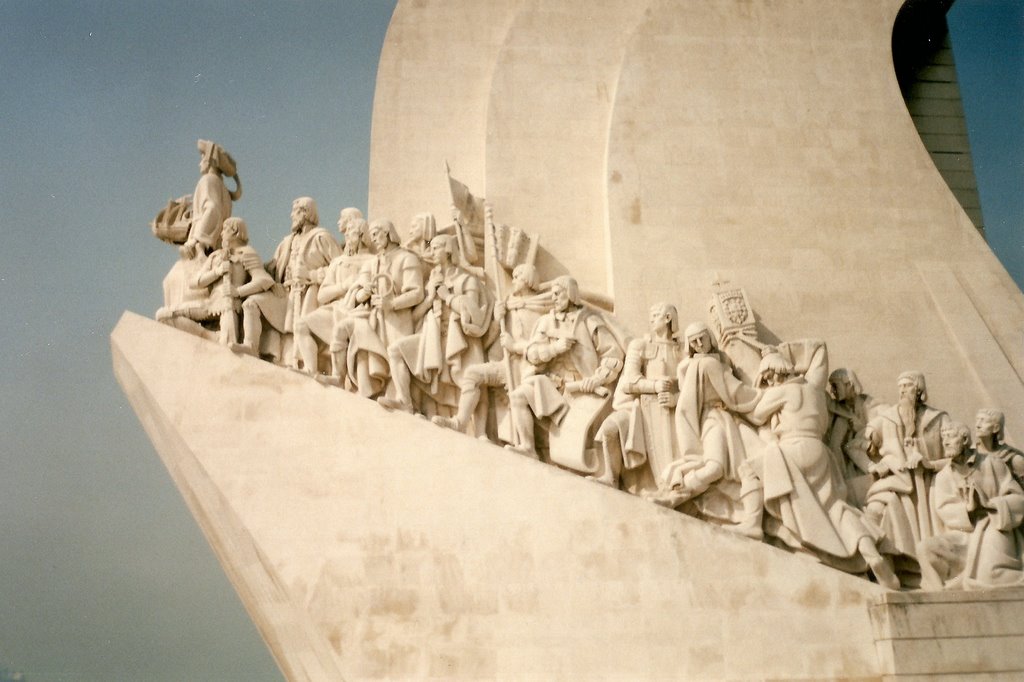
column 956, row 440
column 843, row 384
column 444, row 249
column 353, row 227
column 698, row 339
column 524, row 278
column 565, row 291
column 304, row 213
column 212, row 157
column 423, row 227
column 989, row 422
column 382, row 233
column 234, row 232
column 773, row 370
column 912, row 387
column 663, row 317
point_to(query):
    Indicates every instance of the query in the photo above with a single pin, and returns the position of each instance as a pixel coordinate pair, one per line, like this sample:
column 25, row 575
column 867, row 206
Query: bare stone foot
column 242, row 348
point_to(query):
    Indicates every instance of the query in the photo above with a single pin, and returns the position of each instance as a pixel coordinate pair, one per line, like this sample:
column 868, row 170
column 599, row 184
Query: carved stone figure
column 195, row 223
column 518, row 315
column 641, row 430
column 338, row 278
column 299, row 265
column 794, row 478
column 989, row 427
column 981, row 506
column 381, row 304
column 211, row 200
column 422, row 229
column 455, row 314
column 908, row 442
column 233, row 273
column 850, row 410
column 572, row 353
column 711, row 448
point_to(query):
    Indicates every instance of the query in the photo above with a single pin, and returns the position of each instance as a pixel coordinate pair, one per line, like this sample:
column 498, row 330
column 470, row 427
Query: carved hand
column 362, row 295
column 499, row 311
column 914, row 460
column 507, row 342
column 664, row 385
column 562, row 345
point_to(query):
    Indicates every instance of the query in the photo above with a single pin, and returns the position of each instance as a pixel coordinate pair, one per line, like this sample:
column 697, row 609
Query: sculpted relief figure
column 211, row 201
column 850, row 410
column 184, row 304
column 517, row 315
column 572, row 352
column 981, row 506
column 388, row 288
column 233, row 273
column 455, row 314
column 641, row 430
column 299, row 265
column 989, row 427
column 908, row 442
column 711, row 447
column 794, row 478
column 332, row 306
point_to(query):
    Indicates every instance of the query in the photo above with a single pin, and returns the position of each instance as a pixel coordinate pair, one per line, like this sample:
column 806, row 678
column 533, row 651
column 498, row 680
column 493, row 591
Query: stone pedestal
column 959, row 635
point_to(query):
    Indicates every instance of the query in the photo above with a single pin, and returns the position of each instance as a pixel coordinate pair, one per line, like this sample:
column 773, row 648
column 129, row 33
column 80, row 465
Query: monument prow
column 361, row 553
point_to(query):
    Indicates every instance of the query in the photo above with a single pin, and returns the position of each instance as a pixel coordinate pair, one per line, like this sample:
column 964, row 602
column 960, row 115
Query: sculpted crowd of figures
column 707, row 419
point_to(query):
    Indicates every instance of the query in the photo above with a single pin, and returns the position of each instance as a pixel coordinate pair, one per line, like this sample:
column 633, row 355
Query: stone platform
column 371, row 545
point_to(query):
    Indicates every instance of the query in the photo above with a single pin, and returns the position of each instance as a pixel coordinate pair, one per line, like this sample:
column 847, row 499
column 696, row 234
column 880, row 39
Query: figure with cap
column 906, row 444
column 850, row 410
column 711, row 447
column 211, row 200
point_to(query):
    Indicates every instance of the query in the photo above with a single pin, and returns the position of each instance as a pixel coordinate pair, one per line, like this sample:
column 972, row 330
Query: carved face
column 908, row 390
column 204, row 164
column 379, row 237
column 842, row 387
column 560, row 294
column 299, row 216
column 519, row 283
column 350, row 228
column 415, row 229
column 660, row 319
column 985, row 425
column 952, row 443
column 701, row 343
column 438, row 252
column 229, row 235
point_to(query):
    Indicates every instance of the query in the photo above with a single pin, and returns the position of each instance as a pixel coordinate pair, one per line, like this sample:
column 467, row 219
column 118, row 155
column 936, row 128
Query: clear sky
column 103, row 573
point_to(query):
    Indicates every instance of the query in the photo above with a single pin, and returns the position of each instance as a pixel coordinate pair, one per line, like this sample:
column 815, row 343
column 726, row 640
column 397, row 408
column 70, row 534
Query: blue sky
column 105, row 575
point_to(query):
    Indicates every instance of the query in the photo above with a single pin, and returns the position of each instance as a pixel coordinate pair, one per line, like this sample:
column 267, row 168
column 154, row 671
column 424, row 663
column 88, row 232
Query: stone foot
column 750, row 530
column 527, row 452
column 328, row 380
column 393, row 404
column 242, row 348
column 604, row 480
column 448, row 422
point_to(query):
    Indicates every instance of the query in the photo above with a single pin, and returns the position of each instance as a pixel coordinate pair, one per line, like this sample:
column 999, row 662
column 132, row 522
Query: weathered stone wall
column 657, row 146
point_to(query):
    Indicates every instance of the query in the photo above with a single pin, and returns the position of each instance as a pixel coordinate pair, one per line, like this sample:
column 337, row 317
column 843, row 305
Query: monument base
column 372, row 545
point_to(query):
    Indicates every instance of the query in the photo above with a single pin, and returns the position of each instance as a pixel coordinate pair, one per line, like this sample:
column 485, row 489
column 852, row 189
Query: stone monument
column 460, row 457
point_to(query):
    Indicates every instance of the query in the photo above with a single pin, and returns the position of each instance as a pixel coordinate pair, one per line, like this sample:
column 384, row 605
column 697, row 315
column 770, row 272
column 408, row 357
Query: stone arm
column 1016, row 462
column 608, row 351
column 769, row 402
column 949, row 504
column 327, row 249
column 210, row 272
column 1007, row 507
column 408, row 285
column 810, row 359
column 473, row 308
column 542, row 348
column 332, row 287
column 260, row 279
column 632, row 380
